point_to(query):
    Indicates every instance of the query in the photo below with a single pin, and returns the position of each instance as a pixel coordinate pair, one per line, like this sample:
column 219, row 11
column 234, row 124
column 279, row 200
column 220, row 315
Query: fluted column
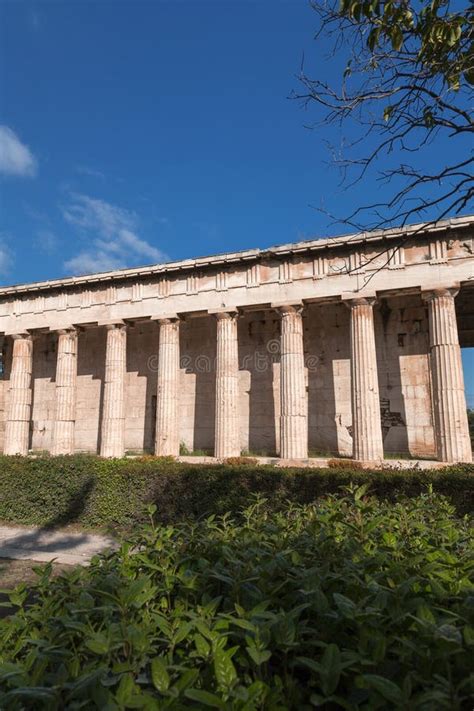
column 449, row 399
column 366, row 423
column 113, row 413
column 227, row 438
column 17, row 427
column 167, row 429
column 66, row 376
column 294, row 405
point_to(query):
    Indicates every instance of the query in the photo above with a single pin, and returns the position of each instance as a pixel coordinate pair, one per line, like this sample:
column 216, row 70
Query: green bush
column 94, row 492
column 350, row 604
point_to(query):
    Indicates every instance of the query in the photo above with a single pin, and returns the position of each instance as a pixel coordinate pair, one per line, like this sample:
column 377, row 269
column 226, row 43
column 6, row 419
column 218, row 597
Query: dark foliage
column 350, row 604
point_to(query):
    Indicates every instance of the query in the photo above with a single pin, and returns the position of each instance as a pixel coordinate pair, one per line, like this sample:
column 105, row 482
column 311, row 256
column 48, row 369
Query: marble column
column 294, row 403
column 227, row 437
column 167, row 424
column 449, row 400
column 113, row 412
column 66, row 376
column 17, row 426
column 366, row 423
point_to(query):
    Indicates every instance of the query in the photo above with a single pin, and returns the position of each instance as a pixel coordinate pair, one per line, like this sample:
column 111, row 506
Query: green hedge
column 94, row 492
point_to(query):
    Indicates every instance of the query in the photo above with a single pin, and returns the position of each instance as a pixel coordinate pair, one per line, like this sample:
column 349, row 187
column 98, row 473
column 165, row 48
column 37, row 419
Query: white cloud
column 15, row 157
column 91, row 262
column 34, row 20
column 6, row 256
column 47, row 241
column 113, row 234
column 89, row 172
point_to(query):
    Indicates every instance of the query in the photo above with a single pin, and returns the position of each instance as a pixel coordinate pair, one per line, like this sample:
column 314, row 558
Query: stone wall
column 402, row 338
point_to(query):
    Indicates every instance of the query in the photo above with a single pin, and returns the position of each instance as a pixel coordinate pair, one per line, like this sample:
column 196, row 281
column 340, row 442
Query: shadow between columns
column 259, row 350
column 198, row 358
column 140, row 398
column 5, row 378
column 43, row 394
column 401, row 330
column 90, row 362
column 327, row 359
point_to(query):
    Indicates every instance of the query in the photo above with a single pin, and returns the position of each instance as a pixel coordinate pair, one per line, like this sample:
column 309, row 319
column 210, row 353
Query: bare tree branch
column 408, row 81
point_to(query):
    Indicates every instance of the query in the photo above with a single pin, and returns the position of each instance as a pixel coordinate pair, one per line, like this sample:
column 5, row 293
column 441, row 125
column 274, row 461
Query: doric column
column 227, row 437
column 17, row 427
column 449, row 399
column 113, row 413
column 167, row 429
column 66, row 376
column 293, row 405
column 366, row 424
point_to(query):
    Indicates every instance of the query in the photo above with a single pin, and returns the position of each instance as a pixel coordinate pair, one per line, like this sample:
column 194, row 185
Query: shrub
column 349, row 464
column 94, row 492
column 354, row 604
column 241, row 461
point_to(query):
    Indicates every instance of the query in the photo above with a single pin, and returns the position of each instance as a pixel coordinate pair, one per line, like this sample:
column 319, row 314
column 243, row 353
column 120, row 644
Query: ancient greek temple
column 345, row 346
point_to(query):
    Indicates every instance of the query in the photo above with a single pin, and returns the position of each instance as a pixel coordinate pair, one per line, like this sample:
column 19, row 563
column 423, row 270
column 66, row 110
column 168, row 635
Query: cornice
column 243, row 257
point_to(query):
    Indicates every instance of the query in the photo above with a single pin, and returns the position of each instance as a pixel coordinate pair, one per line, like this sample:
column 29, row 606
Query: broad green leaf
column 159, row 674
column 423, row 612
column 309, row 663
column 345, row 605
column 317, row 700
column 468, row 634
column 330, row 669
column 126, row 689
column 32, row 694
column 205, row 698
column 98, row 645
column 224, row 668
column 385, row 687
column 259, row 656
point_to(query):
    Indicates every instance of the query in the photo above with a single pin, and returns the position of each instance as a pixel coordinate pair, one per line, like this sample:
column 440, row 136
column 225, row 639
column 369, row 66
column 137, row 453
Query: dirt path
column 40, row 544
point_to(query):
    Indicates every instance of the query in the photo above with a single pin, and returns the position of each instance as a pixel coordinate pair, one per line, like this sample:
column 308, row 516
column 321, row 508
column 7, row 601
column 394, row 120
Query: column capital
column 438, row 292
column 225, row 312
column 60, row 330
column 288, row 307
column 113, row 324
column 17, row 335
column 166, row 318
column 351, row 301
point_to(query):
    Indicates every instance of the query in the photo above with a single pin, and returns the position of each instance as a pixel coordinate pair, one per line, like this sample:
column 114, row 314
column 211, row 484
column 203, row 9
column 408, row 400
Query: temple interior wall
column 90, row 392
column 401, row 328
column 198, row 388
column 403, row 361
column 259, row 382
column 327, row 357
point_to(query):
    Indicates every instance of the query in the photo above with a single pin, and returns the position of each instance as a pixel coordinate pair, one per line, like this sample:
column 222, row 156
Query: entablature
column 414, row 257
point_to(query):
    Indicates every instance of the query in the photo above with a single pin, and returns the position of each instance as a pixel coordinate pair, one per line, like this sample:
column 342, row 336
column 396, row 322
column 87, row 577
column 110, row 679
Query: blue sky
column 143, row 131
